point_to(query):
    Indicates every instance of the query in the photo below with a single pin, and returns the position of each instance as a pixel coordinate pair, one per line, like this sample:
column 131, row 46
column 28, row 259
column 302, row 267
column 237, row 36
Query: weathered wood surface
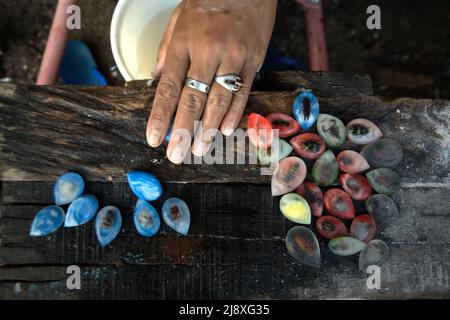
column 324, row 84
column 235, row 248
column 101, row 133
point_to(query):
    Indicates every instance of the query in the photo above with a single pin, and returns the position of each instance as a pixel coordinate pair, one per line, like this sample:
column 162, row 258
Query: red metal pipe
column 317, row 46
column 56, row 43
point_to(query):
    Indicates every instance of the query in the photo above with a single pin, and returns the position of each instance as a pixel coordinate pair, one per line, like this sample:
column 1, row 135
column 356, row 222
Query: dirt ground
column 409, row 56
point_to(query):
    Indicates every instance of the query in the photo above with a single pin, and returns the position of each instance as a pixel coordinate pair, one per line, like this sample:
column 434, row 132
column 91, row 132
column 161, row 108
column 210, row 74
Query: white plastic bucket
column 137, row 28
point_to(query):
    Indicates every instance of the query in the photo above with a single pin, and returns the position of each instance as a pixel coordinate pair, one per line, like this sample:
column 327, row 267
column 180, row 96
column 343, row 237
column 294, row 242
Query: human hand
column 206, row 38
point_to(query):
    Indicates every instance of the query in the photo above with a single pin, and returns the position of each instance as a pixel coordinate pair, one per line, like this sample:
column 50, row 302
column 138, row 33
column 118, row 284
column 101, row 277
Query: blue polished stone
column 176, row 215
column 306, row 109
column 81, row 211
column 47, row 221
column 144, row 185
column 146, row 219
column 67, row 188
column 107, row 225
column 169, row 133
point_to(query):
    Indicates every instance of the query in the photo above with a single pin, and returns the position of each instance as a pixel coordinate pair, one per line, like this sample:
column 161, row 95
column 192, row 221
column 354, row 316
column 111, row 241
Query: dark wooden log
column 324, row 84
column 100, row 132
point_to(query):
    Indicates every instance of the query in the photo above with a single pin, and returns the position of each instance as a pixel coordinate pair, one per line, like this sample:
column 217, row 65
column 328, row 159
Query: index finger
column 166, row 97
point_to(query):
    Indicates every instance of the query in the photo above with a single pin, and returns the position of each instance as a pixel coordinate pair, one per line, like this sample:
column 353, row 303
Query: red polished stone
column 308, row 145
column 331, row 227
column 339, row 204
column 284, row 123
column 259, row 131
column 357, row 186
column 313, row 195
column 363, row 228
column 351, row 161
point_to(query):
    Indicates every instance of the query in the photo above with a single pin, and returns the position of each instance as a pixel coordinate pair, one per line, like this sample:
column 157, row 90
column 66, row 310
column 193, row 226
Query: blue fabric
column 274, row 61
column 79, row 67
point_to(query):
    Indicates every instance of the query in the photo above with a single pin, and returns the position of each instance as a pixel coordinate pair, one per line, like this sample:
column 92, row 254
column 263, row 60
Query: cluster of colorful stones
column 345, row 176
column 69, row 188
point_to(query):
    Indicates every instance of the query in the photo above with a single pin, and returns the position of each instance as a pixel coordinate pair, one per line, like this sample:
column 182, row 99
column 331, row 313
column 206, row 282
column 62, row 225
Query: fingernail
column 153, row 139
column 177, row 154
column 228, row 131
column 201, row 148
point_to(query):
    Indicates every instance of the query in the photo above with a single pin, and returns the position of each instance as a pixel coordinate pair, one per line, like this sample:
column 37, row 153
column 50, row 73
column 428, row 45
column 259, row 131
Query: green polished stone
column 374, row 253
column 384, row 153
column 331, row 129
column 382, row 208
column 384, row 181
column 302, row 244
column 345, row 246
column 325, row 169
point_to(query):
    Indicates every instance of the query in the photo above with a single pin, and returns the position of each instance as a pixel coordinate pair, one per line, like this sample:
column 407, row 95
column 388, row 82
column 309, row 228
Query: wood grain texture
column 235, row 249
column 324, row 84
column 99, row 132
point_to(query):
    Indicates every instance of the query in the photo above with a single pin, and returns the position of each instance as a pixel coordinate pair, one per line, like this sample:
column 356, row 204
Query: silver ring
column 231, row 82
column 196, row 85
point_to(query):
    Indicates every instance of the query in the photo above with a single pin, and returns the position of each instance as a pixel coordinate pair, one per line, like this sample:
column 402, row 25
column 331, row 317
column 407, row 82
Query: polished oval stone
column 357, row 186
column 374, row 253
column 382, row 208
column 325, row 169
column 384, row 181
column 47, row 221
column 363, row 228
column 146, row 219
column 306, row 109
column 295, row 208
column 302, row 244
column 108, row 224
column 331, row 129
column 81, row 211
column 384, row 153
column 288, row 175
column 259, row 130
column 176, row 215
column 169, row 133
column 279, row 150
column 144, row 185
column 67, row 188
column 284, row 123
column 345, row 246
column 363, row 131
column 331, row 227
column 351, row 161
column 313, row 195
column 308, row 145
column 339, row 204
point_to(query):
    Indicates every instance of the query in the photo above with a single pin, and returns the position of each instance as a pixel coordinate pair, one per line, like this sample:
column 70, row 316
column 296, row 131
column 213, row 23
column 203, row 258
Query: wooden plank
column 324, row 84
column 235, row 250
column 408, row 274
column 99, row 132
column 241, row 220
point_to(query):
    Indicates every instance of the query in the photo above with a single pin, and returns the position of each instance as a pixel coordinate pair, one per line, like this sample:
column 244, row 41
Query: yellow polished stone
column 295, row 208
